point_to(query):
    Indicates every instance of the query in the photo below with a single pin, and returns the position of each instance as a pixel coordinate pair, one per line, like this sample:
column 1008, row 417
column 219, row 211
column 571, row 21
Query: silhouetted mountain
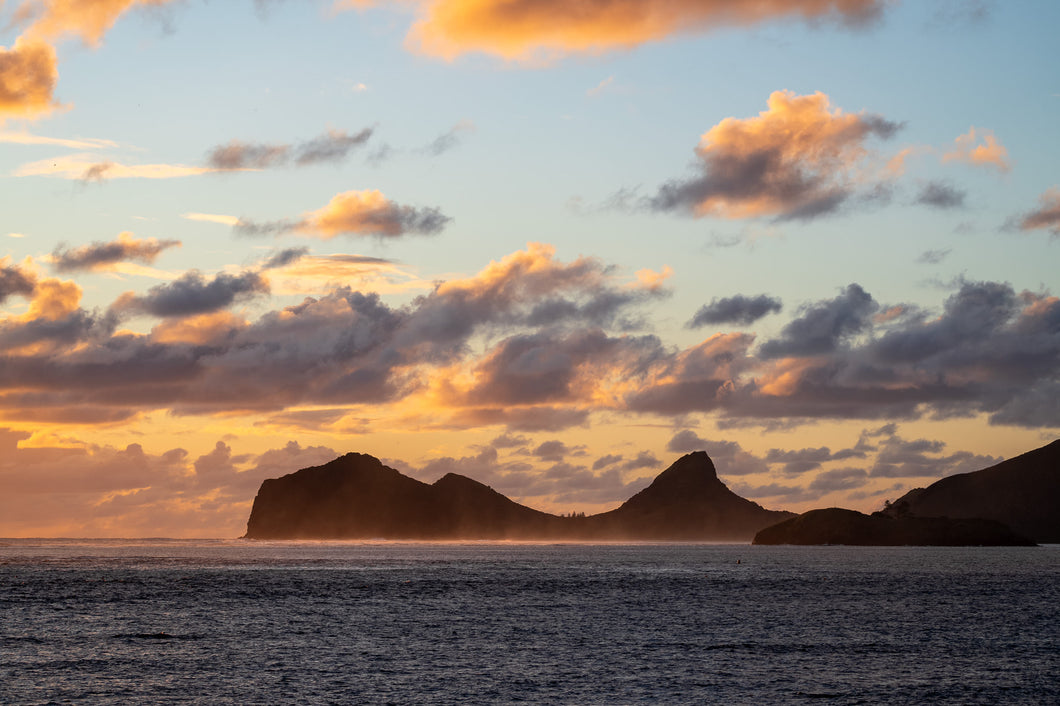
column 838, row 526
column 687, row 501
column 357, row 497
column 1022, row 492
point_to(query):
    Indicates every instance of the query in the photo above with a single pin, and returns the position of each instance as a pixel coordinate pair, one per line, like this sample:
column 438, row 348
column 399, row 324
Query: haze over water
column 117, row 621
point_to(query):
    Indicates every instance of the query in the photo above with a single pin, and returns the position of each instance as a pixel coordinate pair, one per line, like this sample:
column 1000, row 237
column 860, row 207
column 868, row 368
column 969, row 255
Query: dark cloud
column 71, row 328
column 839, row 479
column 332, row 146
column 193, row 294
column 15, row 281
column 554, row 450
column 938, row 194
column 738, row 309
column 97, row 172
column 797, row 462
column 99, row 255
column 1046, row 216
column 243, row 155
column 644, row 459
column 686, row 441
column 605, row 461
column 449, row 139
column 548, row 367
column 923, row 458
column 821, row 328
column 284, row 257
column 509, row 441
column 933, row 257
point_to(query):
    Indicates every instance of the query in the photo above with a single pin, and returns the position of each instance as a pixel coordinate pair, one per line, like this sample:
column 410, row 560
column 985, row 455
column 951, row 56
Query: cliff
column 357, row 497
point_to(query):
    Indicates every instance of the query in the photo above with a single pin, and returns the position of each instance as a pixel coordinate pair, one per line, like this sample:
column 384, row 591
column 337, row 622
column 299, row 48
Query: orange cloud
column 366, row 212
column 28, row 75
column 202, row 330
column 988, row 153
column 530, row 29
column 53, row 300
column 88, row 19
column 798, row 159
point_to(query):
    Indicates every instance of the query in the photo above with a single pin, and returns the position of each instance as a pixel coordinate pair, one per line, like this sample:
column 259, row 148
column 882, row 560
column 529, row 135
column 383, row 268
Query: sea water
column 245, row 622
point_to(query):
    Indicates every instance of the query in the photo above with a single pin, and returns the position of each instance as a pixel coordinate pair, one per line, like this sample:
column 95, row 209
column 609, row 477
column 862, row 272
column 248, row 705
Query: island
column 357, row 497
column 838, row 526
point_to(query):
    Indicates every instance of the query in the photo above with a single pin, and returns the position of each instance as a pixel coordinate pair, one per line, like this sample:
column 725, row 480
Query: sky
column 550, row 246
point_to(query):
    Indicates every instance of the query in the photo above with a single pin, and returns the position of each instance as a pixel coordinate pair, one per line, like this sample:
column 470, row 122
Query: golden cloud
column 366, row 212
column 988, row 153
column 798, row 159
column 88, row 19
column 28, row 75
column 533, row 29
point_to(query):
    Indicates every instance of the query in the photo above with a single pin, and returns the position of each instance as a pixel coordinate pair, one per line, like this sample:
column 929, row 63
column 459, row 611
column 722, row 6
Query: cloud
column 102, row 256
column 86, row 168
column 605, row 461
column 333, row 146
column 478, row 351
column 509, row 441
column 356, row 213
column 1046, row 216
column 212, row 218
column 449, row 139
column 989, row 351
column 284, row 257
column 686, row 441
column 54, row 19
column 840, row 479
column 531, row 30
column 25, row 138
column 800, row 159
column 15, row 281
column 241, row 155
column 799, row 461
column 28, row 75
column 554, row 450
column 738, row 309
column 923, row 458
column 941, row 195
column 988, row 153
column 933, row 257
column 193, row 294
column 822, row 327
column 601, row 87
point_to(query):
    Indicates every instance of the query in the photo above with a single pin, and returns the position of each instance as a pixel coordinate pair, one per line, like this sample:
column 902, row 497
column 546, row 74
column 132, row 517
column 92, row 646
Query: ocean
column 250, row 622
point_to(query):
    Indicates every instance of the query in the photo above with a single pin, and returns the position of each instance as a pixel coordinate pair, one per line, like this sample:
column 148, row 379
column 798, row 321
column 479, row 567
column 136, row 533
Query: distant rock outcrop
column 839, row 526
column 357, row 497
column 1022, row 492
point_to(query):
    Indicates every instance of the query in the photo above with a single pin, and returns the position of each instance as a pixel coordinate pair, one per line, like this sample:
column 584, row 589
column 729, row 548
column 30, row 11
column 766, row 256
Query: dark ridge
column 357, row 497
column 838, row 526
column 1022, row 492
